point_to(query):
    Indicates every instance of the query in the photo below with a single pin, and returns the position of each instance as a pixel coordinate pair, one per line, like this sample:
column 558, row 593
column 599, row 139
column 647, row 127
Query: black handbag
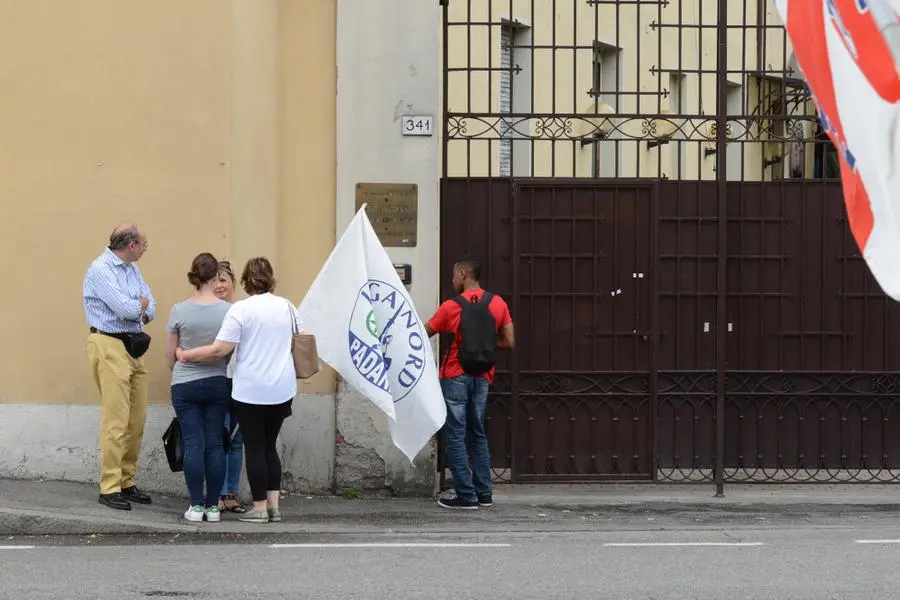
column 174, row 446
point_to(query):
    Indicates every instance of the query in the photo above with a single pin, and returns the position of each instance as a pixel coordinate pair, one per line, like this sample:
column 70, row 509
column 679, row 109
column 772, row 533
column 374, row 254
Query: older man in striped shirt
column 117, row 304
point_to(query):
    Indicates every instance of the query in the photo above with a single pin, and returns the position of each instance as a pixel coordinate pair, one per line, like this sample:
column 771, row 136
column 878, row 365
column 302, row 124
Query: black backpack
column 477, row 335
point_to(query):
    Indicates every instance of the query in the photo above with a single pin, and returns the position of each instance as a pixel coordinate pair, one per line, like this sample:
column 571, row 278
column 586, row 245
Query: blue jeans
column 234, row 460
column 200, row 407
column 464, row 437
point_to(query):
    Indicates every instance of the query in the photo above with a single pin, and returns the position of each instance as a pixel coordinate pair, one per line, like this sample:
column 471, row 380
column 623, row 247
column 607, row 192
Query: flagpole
column 886, row 21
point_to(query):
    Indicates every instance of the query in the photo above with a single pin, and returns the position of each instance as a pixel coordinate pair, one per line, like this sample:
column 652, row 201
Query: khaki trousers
column 122, row 382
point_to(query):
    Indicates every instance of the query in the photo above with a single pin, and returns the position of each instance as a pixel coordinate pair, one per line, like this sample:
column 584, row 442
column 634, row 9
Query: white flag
column 368, row 330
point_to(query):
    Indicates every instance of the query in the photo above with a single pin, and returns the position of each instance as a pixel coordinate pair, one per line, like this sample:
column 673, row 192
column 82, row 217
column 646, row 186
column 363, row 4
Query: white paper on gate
column 367, row 329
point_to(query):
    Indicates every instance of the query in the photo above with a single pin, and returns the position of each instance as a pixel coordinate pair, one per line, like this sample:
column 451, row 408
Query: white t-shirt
column 263, row 366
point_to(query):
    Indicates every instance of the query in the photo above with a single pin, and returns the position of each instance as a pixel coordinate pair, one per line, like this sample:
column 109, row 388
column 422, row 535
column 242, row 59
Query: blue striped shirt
column 112, row 295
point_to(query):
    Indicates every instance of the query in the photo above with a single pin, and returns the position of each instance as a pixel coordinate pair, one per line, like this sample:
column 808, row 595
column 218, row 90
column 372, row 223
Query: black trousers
column 260, row 425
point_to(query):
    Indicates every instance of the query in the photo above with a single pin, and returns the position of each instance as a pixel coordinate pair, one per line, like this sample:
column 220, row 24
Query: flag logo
column 391, row 357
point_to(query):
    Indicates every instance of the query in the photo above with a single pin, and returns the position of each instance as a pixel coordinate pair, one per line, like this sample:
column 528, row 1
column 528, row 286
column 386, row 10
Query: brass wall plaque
column 393, row 209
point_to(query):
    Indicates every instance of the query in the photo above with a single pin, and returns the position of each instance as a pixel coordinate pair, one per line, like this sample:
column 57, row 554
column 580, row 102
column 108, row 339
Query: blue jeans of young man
column 201, row 406
column 234, row 460
column 464, row 437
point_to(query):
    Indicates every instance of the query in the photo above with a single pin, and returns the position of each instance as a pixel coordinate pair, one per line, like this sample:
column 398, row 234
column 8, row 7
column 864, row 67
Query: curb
column 20, row 521
column 722, row 506
column 16, row 521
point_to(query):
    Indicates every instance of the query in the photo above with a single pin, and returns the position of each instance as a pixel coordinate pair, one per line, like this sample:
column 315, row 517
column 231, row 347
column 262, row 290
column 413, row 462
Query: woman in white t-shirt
column 259, row 330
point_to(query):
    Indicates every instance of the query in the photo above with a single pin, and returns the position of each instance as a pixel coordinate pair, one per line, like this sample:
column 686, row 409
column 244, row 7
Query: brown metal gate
column 662, row 212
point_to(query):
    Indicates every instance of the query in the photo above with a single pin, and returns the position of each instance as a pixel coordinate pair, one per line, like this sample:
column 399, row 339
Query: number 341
column 417, row 125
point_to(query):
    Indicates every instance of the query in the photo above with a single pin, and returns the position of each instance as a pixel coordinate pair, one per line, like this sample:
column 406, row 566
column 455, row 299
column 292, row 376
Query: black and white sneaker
column 458, row 503
column 485, row 501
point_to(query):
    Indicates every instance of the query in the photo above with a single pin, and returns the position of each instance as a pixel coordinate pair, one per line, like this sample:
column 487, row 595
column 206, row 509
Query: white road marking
column 16, row 547
column 390, row 545
column 677, row 544
column 878, row 541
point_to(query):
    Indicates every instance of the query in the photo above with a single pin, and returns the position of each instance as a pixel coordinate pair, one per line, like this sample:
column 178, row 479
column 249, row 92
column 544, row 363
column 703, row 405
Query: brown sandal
column 234, row 508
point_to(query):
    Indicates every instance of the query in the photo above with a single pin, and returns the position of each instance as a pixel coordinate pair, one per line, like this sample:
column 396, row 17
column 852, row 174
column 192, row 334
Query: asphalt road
column 822, row 560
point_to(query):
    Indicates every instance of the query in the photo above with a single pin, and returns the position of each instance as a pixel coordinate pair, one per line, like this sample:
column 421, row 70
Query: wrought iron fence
column 669, row 149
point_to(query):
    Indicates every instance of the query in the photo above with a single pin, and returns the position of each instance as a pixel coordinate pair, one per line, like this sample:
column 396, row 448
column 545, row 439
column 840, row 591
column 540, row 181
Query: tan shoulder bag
column 303, row 349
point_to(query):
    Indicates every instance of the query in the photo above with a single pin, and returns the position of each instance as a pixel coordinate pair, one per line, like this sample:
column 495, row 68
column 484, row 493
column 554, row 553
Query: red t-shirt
column 446, row 320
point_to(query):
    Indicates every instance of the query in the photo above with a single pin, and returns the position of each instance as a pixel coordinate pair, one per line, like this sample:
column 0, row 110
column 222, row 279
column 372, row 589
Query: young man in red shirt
column 480, row 324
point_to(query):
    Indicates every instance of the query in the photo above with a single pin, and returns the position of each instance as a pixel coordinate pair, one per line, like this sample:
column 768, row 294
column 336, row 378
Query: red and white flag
column 849, row 68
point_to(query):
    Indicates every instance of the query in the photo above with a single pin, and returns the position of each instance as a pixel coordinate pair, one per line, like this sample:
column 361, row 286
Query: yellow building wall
column 307, row 147
column 183, row 117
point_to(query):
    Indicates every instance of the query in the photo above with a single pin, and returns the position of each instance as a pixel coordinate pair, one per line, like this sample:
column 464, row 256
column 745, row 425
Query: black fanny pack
column 136, row 344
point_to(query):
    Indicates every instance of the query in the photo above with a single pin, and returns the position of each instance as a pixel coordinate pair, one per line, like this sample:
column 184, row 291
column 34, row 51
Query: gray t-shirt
column 197, row 325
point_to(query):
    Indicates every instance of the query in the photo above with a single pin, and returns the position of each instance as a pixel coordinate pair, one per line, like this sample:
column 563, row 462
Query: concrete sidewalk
column 59, row 508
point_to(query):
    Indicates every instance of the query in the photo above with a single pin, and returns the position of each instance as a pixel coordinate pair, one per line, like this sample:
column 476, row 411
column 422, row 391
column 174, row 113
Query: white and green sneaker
column 213, row 515
column 194, row 514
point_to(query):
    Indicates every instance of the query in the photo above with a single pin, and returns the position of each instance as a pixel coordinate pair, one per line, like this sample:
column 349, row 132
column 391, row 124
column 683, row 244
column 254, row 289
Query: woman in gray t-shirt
column 200, row 394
